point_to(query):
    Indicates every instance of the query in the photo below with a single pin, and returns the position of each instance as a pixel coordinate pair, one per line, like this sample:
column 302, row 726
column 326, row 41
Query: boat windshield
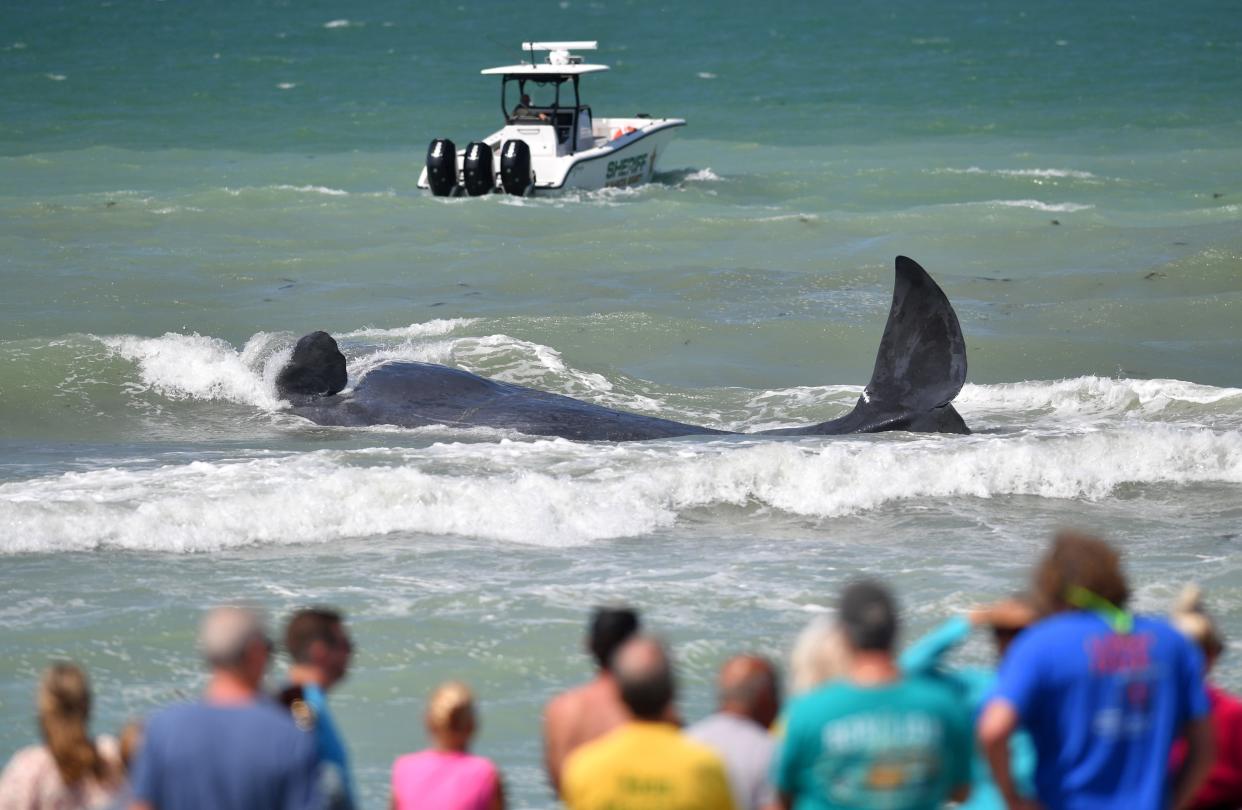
column 529, row 99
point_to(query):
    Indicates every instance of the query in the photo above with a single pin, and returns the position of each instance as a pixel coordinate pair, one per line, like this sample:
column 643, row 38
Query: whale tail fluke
column 919, row 368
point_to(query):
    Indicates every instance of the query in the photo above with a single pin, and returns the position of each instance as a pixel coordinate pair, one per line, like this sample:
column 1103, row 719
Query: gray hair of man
column 227, row 631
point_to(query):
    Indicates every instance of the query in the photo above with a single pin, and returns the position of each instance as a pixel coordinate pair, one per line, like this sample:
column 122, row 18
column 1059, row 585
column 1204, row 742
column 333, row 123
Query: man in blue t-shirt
column 1103, row 694
column 321, row 649
column 877, row 739
column 235, row 749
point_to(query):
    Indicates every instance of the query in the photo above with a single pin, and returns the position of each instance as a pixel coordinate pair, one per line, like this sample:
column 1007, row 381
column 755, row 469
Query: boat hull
column 630, row 162
column 615, row 158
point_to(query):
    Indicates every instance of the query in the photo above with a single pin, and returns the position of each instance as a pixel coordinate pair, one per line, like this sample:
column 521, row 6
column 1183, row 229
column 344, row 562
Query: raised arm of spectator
column 926, row 654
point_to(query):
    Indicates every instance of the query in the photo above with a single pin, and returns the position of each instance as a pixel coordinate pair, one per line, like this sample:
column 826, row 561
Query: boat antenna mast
column 559, row 52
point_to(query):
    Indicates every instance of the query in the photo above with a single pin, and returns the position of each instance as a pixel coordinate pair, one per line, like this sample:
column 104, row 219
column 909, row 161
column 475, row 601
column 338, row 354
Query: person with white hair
column 819, row 655
column 235, row 749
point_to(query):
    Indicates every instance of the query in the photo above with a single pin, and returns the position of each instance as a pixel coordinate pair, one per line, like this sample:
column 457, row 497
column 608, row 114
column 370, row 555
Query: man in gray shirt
column 749, row 700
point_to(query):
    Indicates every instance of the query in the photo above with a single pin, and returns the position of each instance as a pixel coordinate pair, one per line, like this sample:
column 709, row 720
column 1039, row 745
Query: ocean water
column 187, row 188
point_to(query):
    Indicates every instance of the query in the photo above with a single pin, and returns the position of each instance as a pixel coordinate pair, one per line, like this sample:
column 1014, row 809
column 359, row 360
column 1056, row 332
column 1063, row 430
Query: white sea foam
column 426, row 352
column 556, row 493
column 325, row 190
column 1037, row 173
column 790, row 218
column 435, row 328
column 1037, row 205
column 702, row 176
column 286, row 85
column 197, row 367
column 706, row 75
column 56, row 77
column 1092, row 396
column 338, row 24
column 205, row 368
column 331, row 192
column 605, row 197
column 176, row 209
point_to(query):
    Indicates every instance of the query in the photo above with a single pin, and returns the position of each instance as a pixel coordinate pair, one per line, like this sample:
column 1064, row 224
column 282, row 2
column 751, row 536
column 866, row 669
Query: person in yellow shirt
column 646, row 764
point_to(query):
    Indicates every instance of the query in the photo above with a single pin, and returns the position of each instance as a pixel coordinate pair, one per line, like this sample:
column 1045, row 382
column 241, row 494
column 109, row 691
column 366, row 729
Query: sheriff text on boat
column 550, row 140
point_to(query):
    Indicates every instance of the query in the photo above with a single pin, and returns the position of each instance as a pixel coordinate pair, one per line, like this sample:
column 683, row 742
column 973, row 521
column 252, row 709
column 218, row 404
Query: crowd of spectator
column 1090, row 706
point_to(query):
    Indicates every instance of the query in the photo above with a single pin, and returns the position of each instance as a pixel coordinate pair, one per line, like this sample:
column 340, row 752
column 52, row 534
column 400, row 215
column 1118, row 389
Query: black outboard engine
column 477, row 169
column 515, row 173
column 442, row 167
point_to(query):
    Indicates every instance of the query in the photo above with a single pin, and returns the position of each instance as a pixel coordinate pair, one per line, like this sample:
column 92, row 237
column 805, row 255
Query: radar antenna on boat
column 559, row 52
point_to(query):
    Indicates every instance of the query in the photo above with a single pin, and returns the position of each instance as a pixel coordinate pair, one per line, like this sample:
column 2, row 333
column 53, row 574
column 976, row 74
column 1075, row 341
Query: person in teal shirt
column 972, row 686
column 321, row 649
column 879, row 738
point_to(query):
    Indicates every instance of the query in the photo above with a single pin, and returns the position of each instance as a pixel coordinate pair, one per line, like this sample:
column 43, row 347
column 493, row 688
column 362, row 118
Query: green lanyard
column 1119, row 620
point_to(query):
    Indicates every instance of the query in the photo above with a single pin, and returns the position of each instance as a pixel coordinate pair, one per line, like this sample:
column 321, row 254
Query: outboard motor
column 477, row 169
column 515, row 173
column 442, row 167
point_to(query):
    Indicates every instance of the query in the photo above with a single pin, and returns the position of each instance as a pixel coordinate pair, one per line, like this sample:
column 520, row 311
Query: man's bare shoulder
column 569, row 701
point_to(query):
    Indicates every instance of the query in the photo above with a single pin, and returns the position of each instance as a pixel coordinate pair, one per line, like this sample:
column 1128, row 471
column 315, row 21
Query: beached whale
column 919, row 368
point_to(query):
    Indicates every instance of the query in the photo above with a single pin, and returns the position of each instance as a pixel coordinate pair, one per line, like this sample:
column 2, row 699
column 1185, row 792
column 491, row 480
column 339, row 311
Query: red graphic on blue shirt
column 1120, row 654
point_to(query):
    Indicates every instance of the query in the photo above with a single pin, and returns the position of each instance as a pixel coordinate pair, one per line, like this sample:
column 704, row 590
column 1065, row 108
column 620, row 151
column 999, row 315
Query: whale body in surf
column 919, row 368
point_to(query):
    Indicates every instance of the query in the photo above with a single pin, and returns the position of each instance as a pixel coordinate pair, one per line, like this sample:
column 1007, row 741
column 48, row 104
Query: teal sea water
column 187, row 188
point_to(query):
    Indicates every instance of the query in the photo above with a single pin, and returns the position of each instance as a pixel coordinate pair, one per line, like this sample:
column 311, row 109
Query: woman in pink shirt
column 446, row 776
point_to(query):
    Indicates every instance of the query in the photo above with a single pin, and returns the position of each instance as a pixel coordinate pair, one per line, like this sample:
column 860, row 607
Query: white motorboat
column 549, row 142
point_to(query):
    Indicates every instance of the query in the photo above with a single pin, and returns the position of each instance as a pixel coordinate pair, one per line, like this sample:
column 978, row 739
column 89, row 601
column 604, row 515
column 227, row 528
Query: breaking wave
column 560, row 493
column 1087, row 438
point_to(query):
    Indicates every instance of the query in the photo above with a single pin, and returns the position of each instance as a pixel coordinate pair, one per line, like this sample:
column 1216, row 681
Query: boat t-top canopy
column 559, row 62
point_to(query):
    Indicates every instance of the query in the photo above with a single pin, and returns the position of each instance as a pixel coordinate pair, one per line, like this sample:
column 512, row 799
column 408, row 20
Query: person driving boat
column 524, row 110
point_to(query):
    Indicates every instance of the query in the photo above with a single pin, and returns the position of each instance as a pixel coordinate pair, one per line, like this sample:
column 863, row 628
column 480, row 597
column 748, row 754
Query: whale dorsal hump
column 317, row 368
column 921, row 363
